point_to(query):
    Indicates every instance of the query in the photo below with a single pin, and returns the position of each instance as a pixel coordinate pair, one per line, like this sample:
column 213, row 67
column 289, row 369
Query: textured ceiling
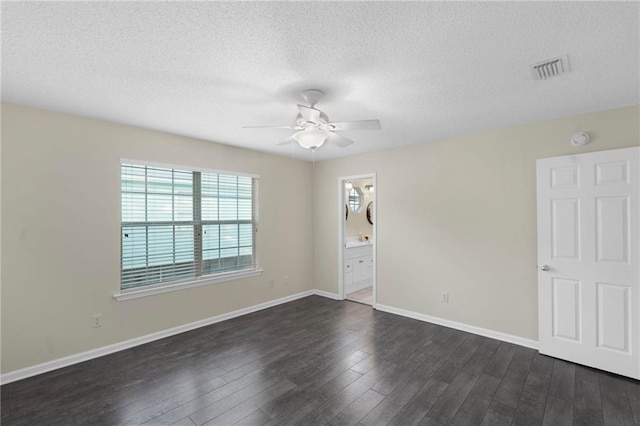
column 427, row 70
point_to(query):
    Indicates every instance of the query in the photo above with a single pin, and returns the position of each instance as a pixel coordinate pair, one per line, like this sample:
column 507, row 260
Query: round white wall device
column 580, row 138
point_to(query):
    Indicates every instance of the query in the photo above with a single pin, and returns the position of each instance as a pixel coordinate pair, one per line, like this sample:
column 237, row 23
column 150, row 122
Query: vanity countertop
column 351, row 244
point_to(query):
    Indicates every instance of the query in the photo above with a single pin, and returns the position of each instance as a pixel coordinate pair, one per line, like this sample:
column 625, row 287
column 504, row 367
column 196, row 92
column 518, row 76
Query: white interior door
column 588, row 256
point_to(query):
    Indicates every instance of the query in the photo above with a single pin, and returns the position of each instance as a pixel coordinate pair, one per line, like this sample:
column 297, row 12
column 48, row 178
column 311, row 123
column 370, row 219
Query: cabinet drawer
column 354, row 252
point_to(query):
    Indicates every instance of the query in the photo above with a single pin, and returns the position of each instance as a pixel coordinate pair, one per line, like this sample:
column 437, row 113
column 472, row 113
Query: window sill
column 166, row 288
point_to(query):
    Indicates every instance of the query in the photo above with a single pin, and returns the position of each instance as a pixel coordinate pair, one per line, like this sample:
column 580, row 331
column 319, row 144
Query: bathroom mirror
column 356, row 199
column 370, row 212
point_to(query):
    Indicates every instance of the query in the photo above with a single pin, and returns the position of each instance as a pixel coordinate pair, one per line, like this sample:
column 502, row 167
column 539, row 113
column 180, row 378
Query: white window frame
column 153, row 289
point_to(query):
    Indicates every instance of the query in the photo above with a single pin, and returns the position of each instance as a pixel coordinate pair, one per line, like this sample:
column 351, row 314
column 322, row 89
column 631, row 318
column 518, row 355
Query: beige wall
column 455, row 215
column 459, row 215
column 60, row 239
column 357, row 222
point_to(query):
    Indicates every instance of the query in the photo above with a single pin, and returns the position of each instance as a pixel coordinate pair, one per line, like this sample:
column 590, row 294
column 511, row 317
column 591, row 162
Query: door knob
column 544, row 268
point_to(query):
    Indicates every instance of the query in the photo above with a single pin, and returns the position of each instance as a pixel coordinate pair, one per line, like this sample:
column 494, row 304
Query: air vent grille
column 550, row 68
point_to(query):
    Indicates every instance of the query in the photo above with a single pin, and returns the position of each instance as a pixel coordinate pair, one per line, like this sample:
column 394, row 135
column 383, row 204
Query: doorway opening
column 357, row 238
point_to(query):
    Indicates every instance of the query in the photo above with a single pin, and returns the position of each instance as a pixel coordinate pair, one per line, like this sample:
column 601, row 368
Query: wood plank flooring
column 316, row 361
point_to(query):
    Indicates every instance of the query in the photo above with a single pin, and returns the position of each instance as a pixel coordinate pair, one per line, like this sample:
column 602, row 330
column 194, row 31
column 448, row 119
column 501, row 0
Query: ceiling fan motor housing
column 312, row 96
column 320, row 123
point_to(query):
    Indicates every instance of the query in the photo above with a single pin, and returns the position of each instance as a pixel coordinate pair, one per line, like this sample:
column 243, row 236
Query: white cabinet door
column 348, row 272
column 363, row 269
column 359, row 269
column 588, row 256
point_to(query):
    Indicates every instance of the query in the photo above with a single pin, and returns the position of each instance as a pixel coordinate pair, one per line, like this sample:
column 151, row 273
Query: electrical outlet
column 286, row 280
column 444, row 297
column 272, row 284
column 96, row 320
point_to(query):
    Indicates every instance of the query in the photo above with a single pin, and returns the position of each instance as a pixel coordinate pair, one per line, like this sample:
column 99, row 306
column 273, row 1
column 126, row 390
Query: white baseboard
column 34, row 370
column 326, row 294
column 509, row 338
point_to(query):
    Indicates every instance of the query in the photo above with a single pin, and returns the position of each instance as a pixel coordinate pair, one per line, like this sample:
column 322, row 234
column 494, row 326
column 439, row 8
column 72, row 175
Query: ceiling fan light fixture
column 314, row 127
column 311, row 138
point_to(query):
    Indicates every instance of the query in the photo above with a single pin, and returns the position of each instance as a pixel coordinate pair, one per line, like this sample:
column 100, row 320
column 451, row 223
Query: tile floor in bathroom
column 364, row 296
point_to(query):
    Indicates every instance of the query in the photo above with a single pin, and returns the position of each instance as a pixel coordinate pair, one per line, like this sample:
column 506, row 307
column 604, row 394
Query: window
column 181, row 225
column 356, row 198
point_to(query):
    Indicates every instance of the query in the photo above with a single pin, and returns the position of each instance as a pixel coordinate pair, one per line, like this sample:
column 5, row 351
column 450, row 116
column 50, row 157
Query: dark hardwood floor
column 316, row 361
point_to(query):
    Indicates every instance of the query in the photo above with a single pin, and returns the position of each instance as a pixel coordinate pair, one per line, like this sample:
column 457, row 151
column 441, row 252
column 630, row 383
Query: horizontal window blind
column 179, row 225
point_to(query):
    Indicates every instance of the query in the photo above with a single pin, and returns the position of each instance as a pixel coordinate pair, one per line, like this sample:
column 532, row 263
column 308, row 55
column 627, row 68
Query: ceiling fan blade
column 287, row 141
column 339, row 140
column 272, row 127
column 357, row 125
column 309, row 114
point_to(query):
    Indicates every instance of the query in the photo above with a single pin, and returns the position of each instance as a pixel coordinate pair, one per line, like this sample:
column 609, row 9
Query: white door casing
column 342, row 264
column 588, row 259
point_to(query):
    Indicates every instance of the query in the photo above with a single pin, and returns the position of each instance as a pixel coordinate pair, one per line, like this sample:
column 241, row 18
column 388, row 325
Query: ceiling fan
column 315, row 128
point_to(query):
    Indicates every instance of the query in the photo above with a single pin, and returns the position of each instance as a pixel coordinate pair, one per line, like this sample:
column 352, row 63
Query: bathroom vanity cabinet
column 358, row 267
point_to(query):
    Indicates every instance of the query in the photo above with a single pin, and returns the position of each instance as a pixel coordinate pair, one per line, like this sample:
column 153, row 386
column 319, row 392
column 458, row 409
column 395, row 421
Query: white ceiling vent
column 550, row 68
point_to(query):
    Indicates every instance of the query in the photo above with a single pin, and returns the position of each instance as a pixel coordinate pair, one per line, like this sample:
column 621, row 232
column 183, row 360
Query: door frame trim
column 342, row 231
